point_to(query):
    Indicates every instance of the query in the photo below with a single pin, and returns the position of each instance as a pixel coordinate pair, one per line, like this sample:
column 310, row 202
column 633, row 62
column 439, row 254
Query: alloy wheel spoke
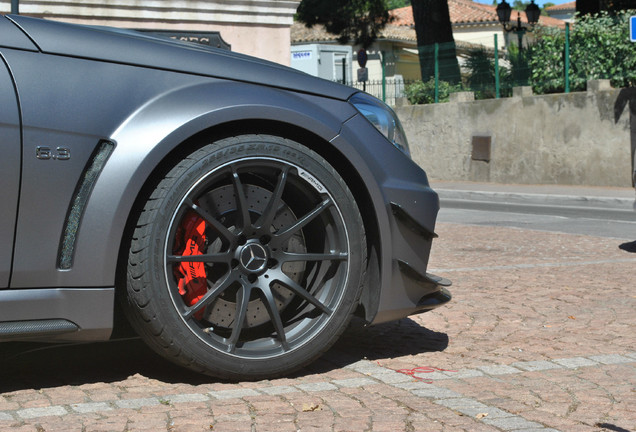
column 219, row 258
column 218, row 226
column 283, row 236
column 241, row 200
column 266, row 219
column 292, row 257
column 290, row 284
column 242, row 301
column 274, row 314
column 208, row 298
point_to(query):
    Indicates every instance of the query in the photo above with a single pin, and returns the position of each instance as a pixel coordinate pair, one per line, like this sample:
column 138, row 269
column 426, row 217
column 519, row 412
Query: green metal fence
column 558, row 61
column 388, row 89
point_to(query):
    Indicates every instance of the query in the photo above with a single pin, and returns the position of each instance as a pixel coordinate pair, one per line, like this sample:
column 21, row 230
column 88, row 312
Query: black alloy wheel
column 247, row 259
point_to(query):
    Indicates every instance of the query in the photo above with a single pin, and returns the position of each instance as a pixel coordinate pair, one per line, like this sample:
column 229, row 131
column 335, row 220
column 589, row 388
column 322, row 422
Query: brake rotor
column 222, row 312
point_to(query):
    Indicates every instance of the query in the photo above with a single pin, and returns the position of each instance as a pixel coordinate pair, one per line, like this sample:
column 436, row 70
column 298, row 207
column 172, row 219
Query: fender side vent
column 83, row 191
column 26, row 329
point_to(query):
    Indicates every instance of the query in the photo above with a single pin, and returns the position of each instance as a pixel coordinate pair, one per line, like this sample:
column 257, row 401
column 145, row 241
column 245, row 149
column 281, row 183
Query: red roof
column 468, row 12
column 564, row 6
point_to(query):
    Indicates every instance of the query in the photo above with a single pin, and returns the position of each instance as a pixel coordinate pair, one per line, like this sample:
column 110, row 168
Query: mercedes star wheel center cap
column 253, row 257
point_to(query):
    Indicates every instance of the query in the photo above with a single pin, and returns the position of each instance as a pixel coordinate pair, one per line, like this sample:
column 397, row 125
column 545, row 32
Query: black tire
column 247, row 259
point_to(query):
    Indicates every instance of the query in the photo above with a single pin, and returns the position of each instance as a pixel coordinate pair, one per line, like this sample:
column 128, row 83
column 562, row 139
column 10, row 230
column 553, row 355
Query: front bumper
column 406, row 209
column 413, row 290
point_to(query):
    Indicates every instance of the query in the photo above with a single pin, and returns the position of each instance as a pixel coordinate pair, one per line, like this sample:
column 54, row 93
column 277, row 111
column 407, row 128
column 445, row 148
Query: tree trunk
column 433, row 25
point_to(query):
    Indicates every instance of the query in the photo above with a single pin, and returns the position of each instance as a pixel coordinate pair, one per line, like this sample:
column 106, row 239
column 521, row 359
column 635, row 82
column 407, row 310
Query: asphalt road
column 600, row 212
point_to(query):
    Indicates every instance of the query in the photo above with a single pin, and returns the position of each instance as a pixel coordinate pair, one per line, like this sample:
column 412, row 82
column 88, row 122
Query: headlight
column 383, row 118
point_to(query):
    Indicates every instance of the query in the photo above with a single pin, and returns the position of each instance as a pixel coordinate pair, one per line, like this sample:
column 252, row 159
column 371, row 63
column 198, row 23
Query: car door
column 9, row 169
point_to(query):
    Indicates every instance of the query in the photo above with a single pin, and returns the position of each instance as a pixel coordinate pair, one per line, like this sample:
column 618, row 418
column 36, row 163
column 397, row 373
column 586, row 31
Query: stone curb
column 611, row 202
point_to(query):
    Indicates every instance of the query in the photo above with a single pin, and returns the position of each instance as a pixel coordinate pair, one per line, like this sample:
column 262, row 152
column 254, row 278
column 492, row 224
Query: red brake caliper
column 191, row 276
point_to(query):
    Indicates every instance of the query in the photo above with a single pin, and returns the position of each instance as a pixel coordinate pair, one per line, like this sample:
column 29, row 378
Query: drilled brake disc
column 222, row 312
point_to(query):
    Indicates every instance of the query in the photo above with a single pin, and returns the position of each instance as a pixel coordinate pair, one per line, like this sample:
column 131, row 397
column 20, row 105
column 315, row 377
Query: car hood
column 138, row 49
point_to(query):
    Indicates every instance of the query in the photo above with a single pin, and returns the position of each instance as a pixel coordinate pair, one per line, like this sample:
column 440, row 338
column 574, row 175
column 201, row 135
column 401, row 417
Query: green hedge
column 599, row 49
column 424, row 92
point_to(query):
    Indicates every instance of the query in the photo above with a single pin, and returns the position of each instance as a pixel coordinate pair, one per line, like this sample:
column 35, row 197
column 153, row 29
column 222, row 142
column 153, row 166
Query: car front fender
column 149, row 136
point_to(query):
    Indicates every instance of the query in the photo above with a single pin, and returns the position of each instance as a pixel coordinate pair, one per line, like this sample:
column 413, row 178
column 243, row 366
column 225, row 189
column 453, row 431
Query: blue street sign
column 632, row 29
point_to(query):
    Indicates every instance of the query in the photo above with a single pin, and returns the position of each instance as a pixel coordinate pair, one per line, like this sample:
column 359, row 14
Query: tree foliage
column 519, row 70
column 395, row 4
column 359, row 21
column 599, row 49
column 520, row 5
column 591, row 7
column 480, row 75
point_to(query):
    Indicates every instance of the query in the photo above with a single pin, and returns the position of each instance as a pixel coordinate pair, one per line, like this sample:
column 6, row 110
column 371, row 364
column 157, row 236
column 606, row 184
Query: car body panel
column 145, row 125
column 138, row 152
column 11, row 36
column 74, row 101
column 134, row 48
column 89, row 310
column 55, row 115
column 396, row 178
column 10, row 169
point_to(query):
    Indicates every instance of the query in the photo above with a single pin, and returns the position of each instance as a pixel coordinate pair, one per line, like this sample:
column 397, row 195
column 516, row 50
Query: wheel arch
column 148, row 143
column 306, row 137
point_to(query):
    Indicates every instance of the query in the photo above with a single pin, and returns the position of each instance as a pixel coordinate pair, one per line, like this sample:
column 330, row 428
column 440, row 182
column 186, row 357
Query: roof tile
column 468, row 12
column 462, row 13
column 301, row 33
column 564, row 6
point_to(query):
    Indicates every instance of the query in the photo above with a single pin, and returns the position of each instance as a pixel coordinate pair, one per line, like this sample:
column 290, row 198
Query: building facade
column 395, row 52
column 255, row 27
column 564, row 11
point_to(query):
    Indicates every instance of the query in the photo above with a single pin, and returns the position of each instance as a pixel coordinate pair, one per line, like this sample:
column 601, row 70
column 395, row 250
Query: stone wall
column 583, row 138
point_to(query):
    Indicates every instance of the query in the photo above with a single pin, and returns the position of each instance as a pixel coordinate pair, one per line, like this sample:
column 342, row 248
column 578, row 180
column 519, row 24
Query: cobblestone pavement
column 540, row 336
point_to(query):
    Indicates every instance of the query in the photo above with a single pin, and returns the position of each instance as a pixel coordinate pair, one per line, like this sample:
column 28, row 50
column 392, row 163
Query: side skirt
column 56, row 314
